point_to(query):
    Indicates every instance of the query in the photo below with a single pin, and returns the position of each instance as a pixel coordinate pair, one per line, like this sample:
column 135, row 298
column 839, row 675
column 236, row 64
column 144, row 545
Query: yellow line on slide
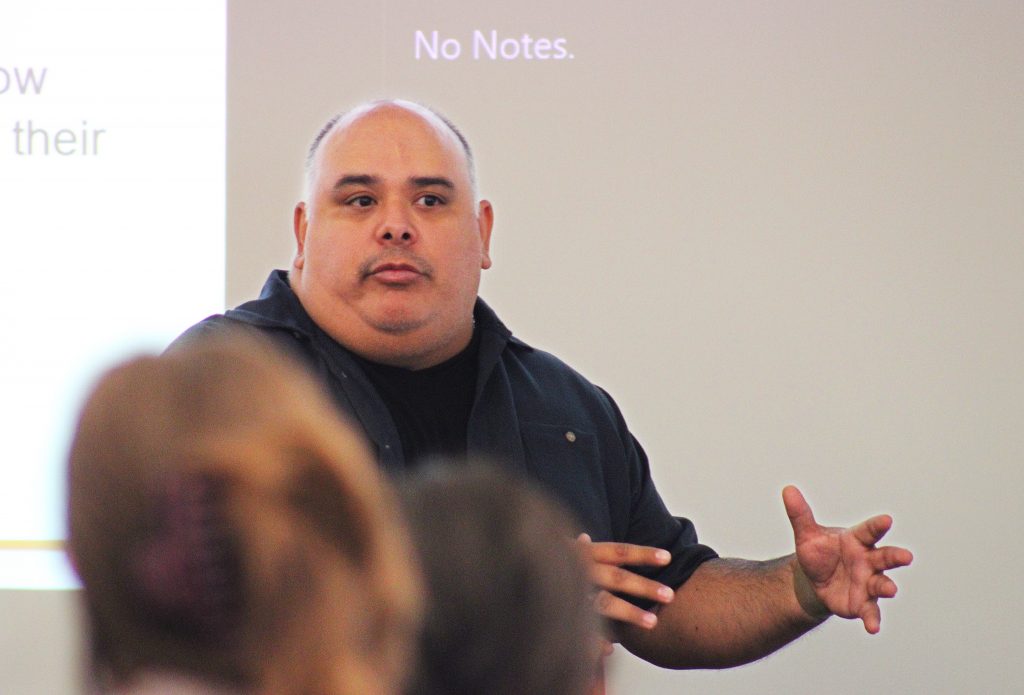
column 17, row 544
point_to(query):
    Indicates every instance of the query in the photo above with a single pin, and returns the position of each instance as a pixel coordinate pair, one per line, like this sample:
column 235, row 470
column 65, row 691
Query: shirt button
column 571, row 436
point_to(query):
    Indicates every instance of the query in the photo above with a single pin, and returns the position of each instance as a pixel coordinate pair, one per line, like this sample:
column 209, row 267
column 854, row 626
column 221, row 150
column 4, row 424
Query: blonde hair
column 227, row 524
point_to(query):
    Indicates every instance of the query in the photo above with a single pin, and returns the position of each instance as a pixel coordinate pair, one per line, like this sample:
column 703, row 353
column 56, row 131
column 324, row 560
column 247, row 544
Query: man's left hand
column 840, row 571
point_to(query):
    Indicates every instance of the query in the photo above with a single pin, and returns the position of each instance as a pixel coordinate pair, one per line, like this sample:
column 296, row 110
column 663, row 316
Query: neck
column 428, row 338
column 408, row 351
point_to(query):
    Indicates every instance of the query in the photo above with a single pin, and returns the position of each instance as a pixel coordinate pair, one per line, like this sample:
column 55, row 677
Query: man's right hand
column 606, row 561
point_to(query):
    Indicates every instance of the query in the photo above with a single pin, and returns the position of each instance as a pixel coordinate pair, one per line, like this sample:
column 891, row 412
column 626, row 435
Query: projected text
column 489, row 45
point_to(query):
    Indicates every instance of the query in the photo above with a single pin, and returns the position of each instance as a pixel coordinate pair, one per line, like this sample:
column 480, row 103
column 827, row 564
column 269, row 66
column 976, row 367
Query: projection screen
column 787, row 237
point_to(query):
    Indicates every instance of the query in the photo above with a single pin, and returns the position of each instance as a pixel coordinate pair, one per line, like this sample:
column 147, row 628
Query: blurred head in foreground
column 509, row 608
column 230, row 530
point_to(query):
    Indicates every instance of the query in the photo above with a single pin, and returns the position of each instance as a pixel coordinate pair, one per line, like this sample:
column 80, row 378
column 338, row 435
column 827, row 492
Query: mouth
column 396, row 273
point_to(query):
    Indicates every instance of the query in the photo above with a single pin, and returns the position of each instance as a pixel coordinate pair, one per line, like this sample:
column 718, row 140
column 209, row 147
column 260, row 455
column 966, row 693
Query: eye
column 360, row 201
column 429, row 200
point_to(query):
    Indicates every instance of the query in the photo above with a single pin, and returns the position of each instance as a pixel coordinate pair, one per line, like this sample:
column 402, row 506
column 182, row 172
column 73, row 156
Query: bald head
column 346, row 118
column 391, row 237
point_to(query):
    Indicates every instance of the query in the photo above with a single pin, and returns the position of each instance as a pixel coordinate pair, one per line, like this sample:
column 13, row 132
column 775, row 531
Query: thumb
column 801, row 518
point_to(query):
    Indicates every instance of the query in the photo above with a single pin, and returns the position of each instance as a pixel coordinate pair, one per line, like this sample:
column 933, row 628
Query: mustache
column 395, row 257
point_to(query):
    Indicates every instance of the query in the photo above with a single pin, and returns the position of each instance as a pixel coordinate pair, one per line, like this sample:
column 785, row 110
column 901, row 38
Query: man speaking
column 381, row 302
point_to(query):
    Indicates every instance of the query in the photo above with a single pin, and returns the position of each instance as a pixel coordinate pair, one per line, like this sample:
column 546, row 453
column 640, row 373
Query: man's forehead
column 394, row 139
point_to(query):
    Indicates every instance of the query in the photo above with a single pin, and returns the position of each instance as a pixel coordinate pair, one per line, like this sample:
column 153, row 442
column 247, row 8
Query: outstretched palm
column 843, row 566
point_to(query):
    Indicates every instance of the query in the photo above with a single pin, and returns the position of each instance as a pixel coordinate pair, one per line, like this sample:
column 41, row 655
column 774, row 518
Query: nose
column 403, row 236
column 396, row 228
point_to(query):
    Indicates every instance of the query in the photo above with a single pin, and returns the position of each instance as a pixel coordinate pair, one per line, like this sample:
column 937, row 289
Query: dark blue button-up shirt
column 531, row 412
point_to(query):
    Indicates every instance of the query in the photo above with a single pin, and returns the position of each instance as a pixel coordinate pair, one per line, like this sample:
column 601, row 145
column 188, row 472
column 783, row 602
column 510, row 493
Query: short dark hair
column 508, row 600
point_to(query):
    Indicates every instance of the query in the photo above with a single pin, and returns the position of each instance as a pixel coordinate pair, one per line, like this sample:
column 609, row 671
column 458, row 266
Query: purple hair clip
column 188, row 573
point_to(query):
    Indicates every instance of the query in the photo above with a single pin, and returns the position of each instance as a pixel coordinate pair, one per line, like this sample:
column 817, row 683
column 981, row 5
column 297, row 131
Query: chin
column 398, row 322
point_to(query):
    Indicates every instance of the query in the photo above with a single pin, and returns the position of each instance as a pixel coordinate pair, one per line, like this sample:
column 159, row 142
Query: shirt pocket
column 567, row 462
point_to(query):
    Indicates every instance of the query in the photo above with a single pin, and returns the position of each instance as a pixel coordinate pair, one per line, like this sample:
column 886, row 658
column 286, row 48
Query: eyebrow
column 424, row 181
column 356, row 180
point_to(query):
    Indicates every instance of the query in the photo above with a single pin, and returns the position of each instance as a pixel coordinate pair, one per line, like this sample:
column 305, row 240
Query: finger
column 618, row 609
column 623, row 581
column 607, row 648
column 801, row 518
column 872, row 617
column 626, row 553
column 872, row 530
column 880, row 586
column 890, row 557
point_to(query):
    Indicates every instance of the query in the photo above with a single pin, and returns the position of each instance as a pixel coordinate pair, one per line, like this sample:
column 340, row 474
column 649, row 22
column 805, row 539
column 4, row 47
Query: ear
column 485, row 221
column 300, row 223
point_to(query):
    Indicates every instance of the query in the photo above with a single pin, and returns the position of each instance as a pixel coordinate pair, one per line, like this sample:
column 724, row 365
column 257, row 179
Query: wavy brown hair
column 227, row 525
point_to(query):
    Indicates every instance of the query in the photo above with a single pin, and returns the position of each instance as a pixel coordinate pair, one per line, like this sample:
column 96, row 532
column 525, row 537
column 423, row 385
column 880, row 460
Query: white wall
column 788, row 237
column 41, row 650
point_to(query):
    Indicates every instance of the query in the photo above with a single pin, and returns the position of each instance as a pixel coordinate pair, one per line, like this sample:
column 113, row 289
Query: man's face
column 390, row 240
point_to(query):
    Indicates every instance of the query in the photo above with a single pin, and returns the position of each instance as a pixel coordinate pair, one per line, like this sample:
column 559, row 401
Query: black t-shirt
column 430, row 406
